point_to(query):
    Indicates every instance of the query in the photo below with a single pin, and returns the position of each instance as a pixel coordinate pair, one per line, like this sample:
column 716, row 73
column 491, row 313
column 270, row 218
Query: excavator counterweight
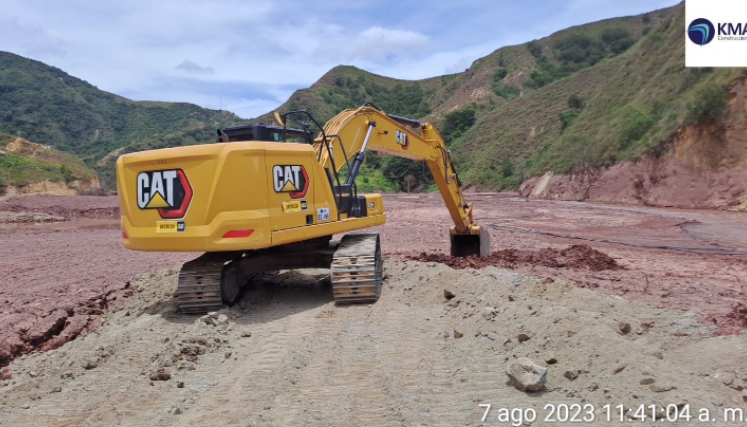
column 258, row 206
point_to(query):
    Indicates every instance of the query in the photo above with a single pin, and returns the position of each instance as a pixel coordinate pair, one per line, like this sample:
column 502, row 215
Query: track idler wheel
column 464, row 245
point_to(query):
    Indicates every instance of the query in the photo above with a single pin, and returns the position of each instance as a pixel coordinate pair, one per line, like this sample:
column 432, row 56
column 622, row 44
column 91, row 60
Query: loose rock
column 571, row 375
column 661, row 388
column 458, row 334
column 647, row 381
column 448, row 294
column 624, row 327
column 523, row 337
column 88, row 364
column 526, row 375
column 160, row 375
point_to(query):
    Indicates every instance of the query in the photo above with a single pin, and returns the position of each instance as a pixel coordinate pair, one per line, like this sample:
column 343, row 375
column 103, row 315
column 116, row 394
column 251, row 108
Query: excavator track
column 198, row 290
column 357, row 269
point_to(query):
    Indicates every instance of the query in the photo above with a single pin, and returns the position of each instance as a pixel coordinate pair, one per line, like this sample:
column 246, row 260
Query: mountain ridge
column 589, row 96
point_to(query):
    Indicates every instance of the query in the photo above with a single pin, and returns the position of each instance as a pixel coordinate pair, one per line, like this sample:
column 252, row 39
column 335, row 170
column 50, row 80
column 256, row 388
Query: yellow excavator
column 269, row 197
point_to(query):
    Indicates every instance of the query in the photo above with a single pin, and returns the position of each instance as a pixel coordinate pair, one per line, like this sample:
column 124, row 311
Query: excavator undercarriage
column 217, row 278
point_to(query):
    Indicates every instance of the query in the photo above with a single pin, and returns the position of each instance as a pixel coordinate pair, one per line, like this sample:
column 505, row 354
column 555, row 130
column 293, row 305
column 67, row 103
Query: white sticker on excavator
column 322, row 214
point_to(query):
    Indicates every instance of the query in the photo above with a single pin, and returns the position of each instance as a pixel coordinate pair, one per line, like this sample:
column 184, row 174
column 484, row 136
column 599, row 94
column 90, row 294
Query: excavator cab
column 263, row 132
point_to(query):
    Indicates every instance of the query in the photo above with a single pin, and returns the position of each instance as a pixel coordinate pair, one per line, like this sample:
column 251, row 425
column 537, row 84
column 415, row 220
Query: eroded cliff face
column 704, row 167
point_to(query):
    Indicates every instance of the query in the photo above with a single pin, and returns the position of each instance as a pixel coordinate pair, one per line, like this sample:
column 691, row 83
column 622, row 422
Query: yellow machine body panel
column 229, row 197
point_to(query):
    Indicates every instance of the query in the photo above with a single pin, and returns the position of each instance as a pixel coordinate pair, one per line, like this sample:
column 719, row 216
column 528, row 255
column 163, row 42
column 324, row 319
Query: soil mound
column 577, row 257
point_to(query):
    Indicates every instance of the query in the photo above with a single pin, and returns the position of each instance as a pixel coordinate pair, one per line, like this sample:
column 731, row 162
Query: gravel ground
column 286, row 355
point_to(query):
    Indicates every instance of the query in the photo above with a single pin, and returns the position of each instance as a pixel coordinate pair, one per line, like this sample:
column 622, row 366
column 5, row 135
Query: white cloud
column 375, row 44
column 259, row 51
column 29, row 38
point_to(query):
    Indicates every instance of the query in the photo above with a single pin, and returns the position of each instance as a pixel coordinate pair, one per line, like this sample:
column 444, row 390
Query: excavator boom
column 348, row 135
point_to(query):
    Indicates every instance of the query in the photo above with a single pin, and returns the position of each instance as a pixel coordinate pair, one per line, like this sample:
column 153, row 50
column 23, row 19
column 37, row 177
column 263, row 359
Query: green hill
column 617, row 110
column 589, row 95
column 47, row 105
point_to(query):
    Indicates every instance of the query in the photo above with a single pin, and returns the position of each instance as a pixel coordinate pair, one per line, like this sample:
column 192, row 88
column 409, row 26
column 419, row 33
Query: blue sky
column 249, row 56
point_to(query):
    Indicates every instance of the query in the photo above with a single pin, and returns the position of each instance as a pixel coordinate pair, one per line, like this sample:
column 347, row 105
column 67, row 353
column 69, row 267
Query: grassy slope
column 36, row 163
column 47, row 105
column 349, row 87
column 650, row 77
column 514, row 138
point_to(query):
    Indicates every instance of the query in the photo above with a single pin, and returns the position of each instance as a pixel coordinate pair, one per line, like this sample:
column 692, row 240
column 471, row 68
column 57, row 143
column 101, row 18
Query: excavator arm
column 347, row 136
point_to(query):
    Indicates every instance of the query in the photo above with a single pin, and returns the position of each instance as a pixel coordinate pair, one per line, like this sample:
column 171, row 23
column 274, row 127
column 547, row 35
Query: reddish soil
column 671, row 258
column 58, row 277
column 577, row 257
column 68, row 207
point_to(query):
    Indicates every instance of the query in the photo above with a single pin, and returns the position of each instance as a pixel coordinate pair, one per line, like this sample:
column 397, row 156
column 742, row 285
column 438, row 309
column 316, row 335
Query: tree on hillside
column 457, row 123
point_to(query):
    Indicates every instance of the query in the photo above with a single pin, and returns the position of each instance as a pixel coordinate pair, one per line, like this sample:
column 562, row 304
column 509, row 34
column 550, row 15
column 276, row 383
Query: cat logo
column 290, row 179
column 402, row 139
column 168, row 191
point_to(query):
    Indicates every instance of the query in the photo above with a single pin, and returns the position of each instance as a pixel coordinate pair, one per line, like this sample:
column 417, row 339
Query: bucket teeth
column 357, row 269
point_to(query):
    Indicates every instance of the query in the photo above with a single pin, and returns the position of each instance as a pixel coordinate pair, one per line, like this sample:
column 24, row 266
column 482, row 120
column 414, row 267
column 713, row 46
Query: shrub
column 67, row 173
column 506, row 92
column 619, row 46
column 535, row 49
column 500, row 74
column 507, row 167
column 610, row 35
column 567, row 118
column 501, row 60
column 457, row 123
column 709, row 104
column 636, row 122
column 646, row 31
column 580, row 49
column 575, row 102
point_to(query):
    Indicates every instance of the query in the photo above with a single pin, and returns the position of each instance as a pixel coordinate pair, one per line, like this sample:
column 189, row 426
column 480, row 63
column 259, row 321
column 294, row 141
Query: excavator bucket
column 464, row 245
